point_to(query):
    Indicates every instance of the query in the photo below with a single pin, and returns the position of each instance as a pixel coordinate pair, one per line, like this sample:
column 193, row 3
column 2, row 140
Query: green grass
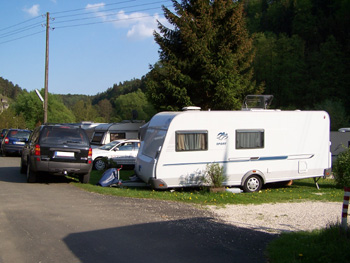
column 331, row 244
column 300, row 190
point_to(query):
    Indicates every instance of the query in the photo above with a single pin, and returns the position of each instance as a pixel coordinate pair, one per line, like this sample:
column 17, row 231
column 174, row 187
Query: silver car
column 122, row 152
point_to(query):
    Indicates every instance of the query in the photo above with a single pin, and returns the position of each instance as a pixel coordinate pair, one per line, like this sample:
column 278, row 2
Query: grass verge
column 326, row 245
column 300, row 190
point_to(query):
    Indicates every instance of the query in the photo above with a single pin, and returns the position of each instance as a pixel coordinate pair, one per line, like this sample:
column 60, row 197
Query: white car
column 122, row 152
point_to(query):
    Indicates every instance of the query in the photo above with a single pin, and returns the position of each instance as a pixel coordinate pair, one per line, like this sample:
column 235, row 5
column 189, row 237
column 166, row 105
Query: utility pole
column 46, row 67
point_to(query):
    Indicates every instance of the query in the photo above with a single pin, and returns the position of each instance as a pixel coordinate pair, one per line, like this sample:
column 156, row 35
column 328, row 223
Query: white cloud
column 139, row 25
column 95, row 7
column 32, row 11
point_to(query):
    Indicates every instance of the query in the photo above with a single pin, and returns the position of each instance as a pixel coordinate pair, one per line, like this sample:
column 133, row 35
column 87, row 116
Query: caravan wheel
column 252, row 184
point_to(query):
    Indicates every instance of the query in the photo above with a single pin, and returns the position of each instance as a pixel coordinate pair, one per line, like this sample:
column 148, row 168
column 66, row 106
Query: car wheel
column 252, row 184
column 31, row 176
column 23, row 167
column 100, row 164
column 84, row 178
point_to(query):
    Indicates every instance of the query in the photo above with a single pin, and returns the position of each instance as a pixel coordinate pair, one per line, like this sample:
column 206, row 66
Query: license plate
column 19, row 143
column 64, row 154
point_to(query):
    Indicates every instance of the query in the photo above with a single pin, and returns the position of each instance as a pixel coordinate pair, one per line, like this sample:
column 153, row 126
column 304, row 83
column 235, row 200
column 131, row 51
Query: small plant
column 341, row 169
column 214, row 175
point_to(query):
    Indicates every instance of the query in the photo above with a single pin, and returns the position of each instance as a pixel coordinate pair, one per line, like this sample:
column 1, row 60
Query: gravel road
column 276, row 218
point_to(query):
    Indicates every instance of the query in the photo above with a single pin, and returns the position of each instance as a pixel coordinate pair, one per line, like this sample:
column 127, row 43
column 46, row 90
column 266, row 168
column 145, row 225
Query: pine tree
column 205, row 58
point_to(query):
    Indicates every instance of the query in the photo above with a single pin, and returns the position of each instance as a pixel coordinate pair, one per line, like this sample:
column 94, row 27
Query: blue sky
column 116, row 43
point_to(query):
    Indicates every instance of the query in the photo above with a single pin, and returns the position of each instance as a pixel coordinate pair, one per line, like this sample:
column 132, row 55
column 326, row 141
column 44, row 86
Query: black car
column 13, row 141
column 57, row 149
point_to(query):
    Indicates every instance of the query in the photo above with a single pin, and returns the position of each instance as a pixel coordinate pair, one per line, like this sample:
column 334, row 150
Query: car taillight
column 90, row 156
column 6, row 140
column 37, row 152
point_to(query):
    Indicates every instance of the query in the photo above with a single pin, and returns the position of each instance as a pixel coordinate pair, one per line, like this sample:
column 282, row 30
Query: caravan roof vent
column 257, row 102
column 191, row 108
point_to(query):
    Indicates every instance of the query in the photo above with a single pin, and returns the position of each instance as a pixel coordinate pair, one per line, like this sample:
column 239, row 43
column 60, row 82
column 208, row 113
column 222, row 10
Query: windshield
column 109, row 146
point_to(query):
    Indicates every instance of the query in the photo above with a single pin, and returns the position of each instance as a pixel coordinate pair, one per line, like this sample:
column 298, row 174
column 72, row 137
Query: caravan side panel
column 279, row 146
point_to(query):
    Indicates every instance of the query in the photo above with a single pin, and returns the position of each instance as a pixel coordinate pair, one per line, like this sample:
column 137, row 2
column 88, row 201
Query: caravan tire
column 100, row 164
column 252, row 184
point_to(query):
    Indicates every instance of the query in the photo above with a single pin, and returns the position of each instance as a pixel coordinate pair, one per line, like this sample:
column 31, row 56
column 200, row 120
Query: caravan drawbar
column 254, row 147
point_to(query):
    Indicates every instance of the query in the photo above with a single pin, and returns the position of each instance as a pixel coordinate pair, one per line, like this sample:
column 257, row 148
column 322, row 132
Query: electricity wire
column 104, row 13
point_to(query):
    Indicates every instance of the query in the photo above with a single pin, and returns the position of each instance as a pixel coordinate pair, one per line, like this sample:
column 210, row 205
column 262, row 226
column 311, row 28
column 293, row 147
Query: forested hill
column 11, row 91
column 302, row 50
column 120, row 89
column 8, row 89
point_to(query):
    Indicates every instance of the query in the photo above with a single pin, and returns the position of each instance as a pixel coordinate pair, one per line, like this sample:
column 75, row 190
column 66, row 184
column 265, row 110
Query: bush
column 214, row 175
column 341, row 169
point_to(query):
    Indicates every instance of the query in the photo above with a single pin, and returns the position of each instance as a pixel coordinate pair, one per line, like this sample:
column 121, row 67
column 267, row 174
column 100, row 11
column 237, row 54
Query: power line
column 108, row 21
column 118, row 8
column 20, row 30
column 2, row 29
column 22, row 37
column 93, row 7
column 104, row 13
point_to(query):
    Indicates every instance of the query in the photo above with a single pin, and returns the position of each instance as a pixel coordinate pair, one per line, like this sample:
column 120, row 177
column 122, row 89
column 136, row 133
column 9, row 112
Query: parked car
column 2, row 134
column 13, row 141
column 122, row 152
column 57, row 149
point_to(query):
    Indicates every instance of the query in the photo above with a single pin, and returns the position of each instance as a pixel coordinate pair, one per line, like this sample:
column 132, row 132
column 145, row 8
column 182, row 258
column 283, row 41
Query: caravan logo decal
column 221, row 137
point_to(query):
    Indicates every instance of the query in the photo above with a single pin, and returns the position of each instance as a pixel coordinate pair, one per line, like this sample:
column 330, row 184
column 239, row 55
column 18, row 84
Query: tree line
column 217, row 52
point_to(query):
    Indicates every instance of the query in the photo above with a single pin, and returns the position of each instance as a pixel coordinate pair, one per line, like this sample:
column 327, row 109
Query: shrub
column 341, row 169
column 214, row 175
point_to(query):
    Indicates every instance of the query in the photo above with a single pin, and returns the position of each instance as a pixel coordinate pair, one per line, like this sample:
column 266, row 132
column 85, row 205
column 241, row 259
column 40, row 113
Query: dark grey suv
column 57, row 149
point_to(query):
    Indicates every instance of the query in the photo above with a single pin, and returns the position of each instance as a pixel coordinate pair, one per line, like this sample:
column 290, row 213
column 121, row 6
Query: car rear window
column 63, row 135
column 19, row 134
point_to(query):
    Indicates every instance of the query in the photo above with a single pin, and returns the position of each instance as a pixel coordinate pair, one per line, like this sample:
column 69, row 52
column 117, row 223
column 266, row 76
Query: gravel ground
column 281, row 217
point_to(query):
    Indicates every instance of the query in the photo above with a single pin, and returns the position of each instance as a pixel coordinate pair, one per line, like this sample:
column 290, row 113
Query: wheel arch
column 253, row 172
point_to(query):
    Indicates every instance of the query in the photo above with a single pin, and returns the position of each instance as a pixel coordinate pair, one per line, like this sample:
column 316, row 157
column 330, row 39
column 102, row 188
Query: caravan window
column 191, row 141
column 117, row 136
column 97, row 137
column 249, row 139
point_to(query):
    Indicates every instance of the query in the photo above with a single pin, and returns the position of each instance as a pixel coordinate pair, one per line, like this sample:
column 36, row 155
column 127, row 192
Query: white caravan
column 108, row 132
column 254, row 147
